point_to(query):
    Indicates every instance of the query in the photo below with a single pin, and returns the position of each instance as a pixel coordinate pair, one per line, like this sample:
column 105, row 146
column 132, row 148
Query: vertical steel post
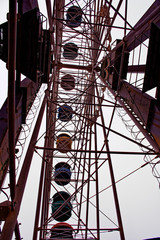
column 11, row 92
column 97, row 183
column 112, row 176
column 125, row 22
column 39, row 199
column 17, row 232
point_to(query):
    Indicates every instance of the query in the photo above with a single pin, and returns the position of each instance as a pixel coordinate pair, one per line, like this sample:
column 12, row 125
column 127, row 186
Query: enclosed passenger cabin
column 65, row 113
column 64, row 213
column 74, row 16
column 62, row 173
column 61, row 231
column 64, row 143
column 70, row 51
column 67, row 82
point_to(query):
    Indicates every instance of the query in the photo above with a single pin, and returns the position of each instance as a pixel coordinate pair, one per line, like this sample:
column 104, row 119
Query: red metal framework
column 88, row 77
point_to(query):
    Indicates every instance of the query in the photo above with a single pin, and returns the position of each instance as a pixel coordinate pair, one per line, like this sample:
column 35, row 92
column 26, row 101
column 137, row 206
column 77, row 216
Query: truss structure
column 85, row 74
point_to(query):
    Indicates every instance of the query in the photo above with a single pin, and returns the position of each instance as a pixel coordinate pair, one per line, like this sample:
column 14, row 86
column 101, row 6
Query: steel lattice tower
column 88, row 64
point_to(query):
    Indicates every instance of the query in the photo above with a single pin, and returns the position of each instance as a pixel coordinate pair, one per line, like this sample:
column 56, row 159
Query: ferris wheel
column 97, row 75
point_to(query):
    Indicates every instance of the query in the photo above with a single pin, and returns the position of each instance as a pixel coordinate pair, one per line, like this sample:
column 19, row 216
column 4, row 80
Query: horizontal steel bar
column 102, row 152
column 82, row 229
column 71, row 180
column 88, row 68
column 97, row 24
column 137, row 68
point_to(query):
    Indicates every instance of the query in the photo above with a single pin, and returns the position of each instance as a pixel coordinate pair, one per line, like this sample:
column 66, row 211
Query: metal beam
column 11, row 219
column 141, row 128
column 116, row 200
column 12, row 21
column 73, row 66
column 141, row 30
column 136, row 69
column 17, row 232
